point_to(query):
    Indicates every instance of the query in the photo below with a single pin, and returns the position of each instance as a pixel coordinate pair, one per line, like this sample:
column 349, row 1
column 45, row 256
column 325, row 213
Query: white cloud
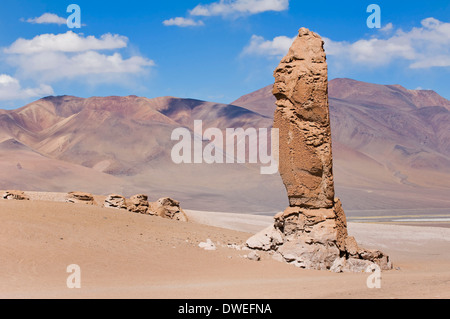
column 47, row 18
column 437, row 61
column 54, row 66
column 183, row 22
column 226, row 8
column 248, row 7
column 67, row 42
column 387, row 28
column 373, row 52
column 10, row 89
column 423, row 47
column 51, row 57
column 278, row 47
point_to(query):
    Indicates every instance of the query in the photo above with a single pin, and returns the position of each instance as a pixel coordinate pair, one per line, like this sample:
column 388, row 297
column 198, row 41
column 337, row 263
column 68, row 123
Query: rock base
column 316, row 239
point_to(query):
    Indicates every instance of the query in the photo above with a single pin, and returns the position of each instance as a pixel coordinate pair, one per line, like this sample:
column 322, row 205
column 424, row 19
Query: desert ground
column 127, row 255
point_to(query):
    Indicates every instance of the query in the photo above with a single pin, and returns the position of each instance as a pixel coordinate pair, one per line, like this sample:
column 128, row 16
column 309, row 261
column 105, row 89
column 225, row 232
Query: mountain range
column 391, row 149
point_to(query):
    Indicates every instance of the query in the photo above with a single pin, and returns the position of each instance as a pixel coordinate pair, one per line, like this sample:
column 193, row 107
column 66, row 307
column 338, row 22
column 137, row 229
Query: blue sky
column 211, row 50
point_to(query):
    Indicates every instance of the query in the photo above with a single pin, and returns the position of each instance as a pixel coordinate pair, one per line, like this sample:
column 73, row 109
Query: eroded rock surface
column 138, row 204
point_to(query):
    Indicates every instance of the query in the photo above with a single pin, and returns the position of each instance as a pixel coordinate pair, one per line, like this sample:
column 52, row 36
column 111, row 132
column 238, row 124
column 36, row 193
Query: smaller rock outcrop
column 80, row 198
column 15, row 195
column 165, row 207
column 168, row 208
column 115, row 201
column 138, row 204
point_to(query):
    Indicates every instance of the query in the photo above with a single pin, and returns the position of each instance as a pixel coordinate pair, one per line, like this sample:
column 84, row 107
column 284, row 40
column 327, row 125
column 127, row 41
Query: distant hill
column 391, row 148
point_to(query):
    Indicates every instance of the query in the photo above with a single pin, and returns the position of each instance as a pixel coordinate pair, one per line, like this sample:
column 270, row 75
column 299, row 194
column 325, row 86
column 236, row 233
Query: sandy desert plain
column 127, row 255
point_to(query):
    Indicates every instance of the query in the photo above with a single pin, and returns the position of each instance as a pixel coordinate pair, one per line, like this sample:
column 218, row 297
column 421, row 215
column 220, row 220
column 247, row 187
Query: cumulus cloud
column 47, row 18
column 183, row 22
column 277, row 47
column 227, row 8
column 11, row 89
column 54, row 66
column 68, row 55
column 247, row 7
column 423, row 47
column 67, row 42
column 373, row 52
column 387, row 28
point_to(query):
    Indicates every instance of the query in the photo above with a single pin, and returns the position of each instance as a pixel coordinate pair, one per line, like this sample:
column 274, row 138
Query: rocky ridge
column 164, row 207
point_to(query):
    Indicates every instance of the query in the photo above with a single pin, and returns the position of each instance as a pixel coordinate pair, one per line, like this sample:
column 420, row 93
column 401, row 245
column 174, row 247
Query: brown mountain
column 391, row 149
column 391, row 145
column 261, row 101
column 123, row 145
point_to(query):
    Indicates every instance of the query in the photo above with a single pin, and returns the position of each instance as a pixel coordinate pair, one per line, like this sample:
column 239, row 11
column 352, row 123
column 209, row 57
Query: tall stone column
column 303, row 119
column 312, row 232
